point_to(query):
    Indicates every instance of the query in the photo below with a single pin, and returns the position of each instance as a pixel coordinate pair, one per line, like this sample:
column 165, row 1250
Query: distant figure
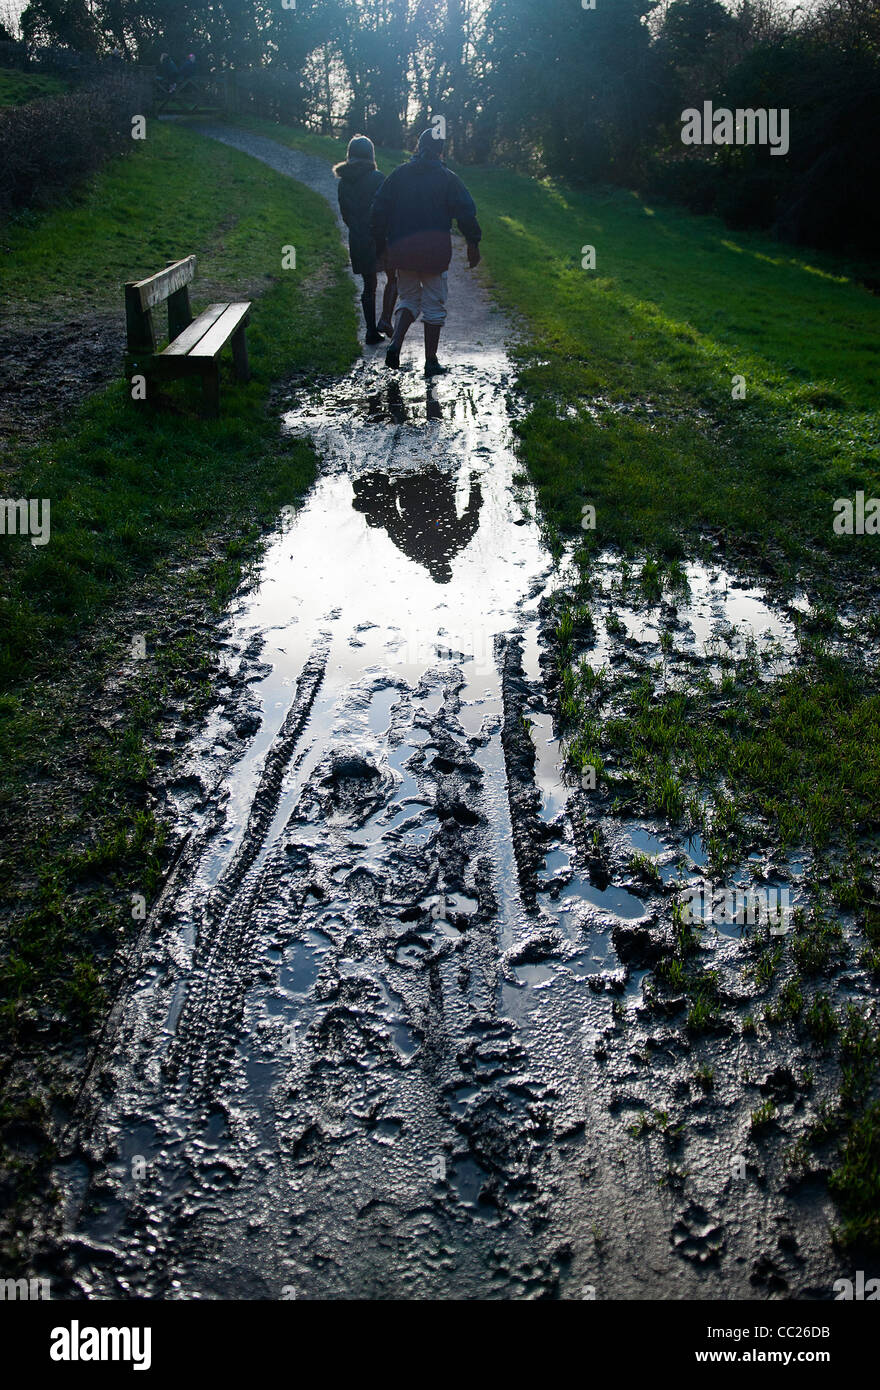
column 412, row 217
column 168, row 70
column 176, row 76
column 359, row 182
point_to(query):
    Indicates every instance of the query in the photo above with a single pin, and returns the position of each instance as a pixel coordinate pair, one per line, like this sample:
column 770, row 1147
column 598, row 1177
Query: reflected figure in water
column 390, row 405
column 419, row 513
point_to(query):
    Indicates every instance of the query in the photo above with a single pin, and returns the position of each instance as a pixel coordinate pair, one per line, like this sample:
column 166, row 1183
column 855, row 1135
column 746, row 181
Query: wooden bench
column 196, row 344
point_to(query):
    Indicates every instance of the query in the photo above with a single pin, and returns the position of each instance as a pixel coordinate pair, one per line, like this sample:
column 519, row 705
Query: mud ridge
column 268, row 789
column 519, row 761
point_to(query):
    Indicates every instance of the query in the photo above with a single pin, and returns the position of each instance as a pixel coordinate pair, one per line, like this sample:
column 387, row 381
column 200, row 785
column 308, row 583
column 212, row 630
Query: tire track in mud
column 268, row 789
column 228, row 914
column 519, row 760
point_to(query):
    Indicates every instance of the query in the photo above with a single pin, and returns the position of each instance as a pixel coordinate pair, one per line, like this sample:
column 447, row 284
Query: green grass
column 156, row 513
column 802, row 754
column 763, row 1116
column 856, row 1180
column 629, row 369
column 130, row 487
column 163, row 202
column 17, row 87
column 853, row 1123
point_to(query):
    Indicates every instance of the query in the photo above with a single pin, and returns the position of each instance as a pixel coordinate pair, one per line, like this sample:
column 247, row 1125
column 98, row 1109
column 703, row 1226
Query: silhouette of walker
column 418, row 512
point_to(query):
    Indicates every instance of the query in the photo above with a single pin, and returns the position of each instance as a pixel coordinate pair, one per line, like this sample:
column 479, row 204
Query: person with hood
column 359, row 182
column 411, row 222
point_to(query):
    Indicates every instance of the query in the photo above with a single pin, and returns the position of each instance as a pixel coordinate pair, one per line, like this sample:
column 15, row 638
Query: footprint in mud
column 697, row 1236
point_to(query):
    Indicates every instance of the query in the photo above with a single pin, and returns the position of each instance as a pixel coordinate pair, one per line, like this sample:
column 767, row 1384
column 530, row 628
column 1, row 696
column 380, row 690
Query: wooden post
column 240, row 354
column 139, row 330
column 211, row 389
column 179, row 312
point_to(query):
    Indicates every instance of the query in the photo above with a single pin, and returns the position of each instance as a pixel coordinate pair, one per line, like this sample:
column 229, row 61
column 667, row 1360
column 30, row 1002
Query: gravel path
column 315, row 173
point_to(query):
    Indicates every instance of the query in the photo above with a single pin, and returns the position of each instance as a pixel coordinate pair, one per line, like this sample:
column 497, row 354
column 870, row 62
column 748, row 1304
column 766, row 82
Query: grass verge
column 18, row 87
column 155, row 516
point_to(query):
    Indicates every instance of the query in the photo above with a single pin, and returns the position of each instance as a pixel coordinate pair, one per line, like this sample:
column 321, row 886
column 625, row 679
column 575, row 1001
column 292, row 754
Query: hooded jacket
column 359, row 181
column 413, row 212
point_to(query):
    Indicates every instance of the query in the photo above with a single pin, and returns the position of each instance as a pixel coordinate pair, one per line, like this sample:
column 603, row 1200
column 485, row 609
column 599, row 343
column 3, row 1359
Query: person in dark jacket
column 411, row 221
column 359, row 182
column 168, row 72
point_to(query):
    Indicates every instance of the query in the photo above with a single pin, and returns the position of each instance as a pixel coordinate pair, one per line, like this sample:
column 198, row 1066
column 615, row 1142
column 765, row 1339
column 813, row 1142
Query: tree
column 65, row 22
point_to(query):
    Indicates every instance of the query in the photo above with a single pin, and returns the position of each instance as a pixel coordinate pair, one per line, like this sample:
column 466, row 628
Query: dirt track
column 386, row 1036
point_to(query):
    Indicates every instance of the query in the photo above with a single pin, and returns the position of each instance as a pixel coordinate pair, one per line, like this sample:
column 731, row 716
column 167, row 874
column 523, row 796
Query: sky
column 11, row 8
column 15, row 7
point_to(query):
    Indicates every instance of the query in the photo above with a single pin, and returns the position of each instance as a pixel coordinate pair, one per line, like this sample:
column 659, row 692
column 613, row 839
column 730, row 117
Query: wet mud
column 46, row 371
column 386, row 1033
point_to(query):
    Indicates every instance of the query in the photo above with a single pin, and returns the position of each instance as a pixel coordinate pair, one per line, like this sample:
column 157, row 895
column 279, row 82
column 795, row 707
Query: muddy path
column 384, row 1036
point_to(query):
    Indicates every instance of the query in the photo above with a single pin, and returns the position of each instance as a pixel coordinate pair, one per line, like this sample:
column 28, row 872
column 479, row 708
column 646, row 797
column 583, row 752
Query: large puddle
column 409, row 557
column 347, row 982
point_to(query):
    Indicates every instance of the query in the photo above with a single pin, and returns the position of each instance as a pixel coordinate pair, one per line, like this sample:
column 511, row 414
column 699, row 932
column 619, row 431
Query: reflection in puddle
column 303, row 964
column 646, row 842
column 468, row 1179
column 557, row 861
column 711, row 614
column 548, row 766
column 696, row 850
column 615, row 901
column 535, row 973
column 381, row 706
column 421, row 516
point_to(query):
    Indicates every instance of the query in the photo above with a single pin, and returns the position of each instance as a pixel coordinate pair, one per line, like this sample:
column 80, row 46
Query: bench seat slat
column 221, row 331
column 191, row 336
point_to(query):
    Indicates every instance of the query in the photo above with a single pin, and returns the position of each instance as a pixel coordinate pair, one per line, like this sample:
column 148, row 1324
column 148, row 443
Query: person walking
column 411, row 220
column 359, row 182
column 169, row 72
column 187, row 68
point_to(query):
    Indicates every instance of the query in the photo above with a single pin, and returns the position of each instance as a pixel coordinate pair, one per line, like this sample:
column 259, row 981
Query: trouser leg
column 368, row 302
column 389, row 298
column 404, row 319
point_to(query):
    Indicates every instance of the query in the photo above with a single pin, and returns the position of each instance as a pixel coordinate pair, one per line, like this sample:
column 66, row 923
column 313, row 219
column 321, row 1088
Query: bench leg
column 211, row 390
column 240, row 354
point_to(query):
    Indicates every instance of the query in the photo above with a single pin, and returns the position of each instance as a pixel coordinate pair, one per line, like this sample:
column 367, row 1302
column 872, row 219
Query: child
column 359, row 182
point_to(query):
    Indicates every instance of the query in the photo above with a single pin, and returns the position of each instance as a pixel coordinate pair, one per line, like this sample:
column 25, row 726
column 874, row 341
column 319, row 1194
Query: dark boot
column 392, row 356
column 432, row 341
column 368, row 301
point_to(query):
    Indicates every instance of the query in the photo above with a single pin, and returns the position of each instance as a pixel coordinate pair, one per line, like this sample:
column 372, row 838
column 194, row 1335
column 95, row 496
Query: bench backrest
column 143, row 296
